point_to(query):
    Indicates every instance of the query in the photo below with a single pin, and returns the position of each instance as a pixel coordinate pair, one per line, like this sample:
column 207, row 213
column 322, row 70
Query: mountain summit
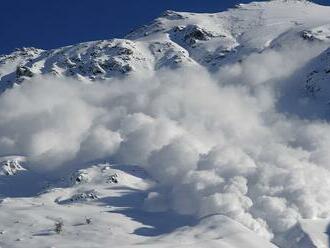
column 196, row 130
column 175, row 39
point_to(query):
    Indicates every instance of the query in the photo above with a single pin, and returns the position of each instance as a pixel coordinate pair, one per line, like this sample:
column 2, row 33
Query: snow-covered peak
column 173, row 40
column 11, row 165
column 218, row 143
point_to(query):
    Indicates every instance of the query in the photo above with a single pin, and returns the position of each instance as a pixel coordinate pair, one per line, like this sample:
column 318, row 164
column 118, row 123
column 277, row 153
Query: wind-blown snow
column 212, row 148
column 231, row 140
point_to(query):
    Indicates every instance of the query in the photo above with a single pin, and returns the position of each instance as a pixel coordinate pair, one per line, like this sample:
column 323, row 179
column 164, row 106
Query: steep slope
column 227, row 114
column 175, row 39
column 310, row 89
column 102, row 205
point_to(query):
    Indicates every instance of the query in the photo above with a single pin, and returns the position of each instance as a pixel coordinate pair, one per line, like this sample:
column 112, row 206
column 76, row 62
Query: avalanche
column 200, row 130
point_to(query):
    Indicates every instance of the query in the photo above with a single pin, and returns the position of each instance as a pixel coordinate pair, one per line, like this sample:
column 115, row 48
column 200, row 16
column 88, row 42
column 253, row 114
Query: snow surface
column 116, row 217
column 199, row 130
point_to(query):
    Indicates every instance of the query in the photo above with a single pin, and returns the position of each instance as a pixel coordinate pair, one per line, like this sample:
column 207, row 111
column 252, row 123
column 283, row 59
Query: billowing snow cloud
column 215, row 143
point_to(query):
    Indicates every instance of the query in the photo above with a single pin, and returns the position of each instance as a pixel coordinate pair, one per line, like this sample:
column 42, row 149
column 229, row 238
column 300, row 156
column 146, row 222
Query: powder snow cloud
column 215, row 143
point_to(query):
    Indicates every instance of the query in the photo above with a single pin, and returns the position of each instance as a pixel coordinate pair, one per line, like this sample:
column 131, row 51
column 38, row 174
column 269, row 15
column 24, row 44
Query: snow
column 199, row 130
column 116, row 218
column 229, row 36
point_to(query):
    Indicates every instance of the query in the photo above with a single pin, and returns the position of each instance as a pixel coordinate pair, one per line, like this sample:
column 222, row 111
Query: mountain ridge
column 205, row 39
column 192, row 98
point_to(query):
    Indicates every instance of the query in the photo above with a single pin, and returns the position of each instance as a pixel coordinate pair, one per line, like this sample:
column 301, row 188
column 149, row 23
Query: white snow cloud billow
column 215, row 143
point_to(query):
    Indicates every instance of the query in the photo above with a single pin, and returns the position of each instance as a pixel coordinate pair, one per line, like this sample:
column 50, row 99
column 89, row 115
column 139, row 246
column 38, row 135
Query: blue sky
column 54, row 23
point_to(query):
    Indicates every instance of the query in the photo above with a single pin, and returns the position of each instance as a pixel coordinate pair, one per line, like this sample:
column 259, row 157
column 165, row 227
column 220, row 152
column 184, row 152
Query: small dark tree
column 59, row 226
column 88, row 221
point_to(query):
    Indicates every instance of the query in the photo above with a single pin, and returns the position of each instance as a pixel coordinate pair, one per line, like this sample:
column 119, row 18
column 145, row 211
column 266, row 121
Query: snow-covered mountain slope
column 310, row 89
column 176, row 39
column 103, row 205
column 308, row 233
column 199, row 130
